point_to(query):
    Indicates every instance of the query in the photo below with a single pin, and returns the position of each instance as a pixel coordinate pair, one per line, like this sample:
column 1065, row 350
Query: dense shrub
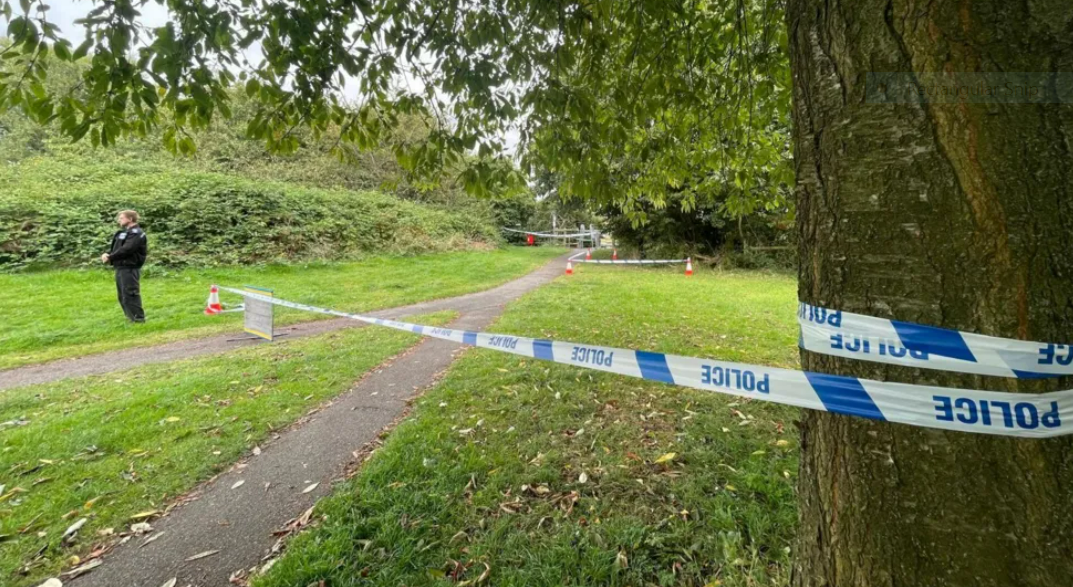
column 59, row 212
column 773, row 260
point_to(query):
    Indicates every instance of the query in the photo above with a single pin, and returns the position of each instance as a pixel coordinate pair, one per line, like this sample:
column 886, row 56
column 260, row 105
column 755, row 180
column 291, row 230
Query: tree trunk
column 955, row 215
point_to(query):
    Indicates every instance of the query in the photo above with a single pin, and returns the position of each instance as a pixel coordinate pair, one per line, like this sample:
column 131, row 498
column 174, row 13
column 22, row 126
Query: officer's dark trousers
column 128, row 287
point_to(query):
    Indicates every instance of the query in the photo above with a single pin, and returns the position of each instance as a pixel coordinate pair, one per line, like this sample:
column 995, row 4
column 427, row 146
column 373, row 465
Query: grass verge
column 105, row 448
column 517, row 472
column 61, row 314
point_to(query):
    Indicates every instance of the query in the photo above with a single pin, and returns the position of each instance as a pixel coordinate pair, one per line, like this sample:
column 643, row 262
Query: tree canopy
column 646, row 100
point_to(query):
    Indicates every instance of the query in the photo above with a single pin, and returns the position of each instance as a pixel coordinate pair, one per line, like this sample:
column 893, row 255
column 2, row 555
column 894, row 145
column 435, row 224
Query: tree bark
column 955, row 215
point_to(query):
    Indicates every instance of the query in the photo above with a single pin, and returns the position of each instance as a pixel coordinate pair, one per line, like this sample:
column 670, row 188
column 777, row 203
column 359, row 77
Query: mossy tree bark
column 956, row 215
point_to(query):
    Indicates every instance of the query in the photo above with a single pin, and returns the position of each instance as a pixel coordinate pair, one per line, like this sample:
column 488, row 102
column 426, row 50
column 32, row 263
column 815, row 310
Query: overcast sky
column 63, row 13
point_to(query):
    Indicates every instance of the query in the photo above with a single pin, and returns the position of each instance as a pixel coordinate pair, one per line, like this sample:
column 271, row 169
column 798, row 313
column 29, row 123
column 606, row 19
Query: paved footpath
column 126, row 359
column 239, row 522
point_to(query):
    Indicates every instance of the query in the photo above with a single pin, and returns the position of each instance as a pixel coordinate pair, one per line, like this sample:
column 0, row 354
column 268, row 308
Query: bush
column 772, row 260
column 59, row 212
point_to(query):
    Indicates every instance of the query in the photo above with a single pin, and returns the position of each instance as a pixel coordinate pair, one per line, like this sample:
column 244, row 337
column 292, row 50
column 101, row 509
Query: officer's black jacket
column 129, row 248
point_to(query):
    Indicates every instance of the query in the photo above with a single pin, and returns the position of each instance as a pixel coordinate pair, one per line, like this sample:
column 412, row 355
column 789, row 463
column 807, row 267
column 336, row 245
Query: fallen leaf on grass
column 202, row 555
column 583, row 477
column 172, row 419
column 538, row 490
column 782, row 443
column 512, row 507
column 14, row 491
column 665, row 458
column 295, row 524
column 144, row 515
column 19, row 422
column 73, row 529
column 484, row 577
column 310, row 488
column 487, row 572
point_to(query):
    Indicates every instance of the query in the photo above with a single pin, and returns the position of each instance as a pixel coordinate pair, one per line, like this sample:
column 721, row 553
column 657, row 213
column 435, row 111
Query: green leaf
column 62, row 50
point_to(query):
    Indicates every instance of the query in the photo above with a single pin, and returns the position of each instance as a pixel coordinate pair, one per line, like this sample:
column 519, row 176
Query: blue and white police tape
column 587, row 233
column 985, row 412
column 576, row 257
column 632, row 261
column 867, row 338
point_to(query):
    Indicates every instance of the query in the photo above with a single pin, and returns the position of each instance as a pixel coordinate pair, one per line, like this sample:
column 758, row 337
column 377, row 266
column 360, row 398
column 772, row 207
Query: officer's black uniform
column 129, row 250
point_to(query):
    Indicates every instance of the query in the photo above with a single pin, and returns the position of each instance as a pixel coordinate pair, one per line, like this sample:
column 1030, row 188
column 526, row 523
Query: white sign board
column 259, row 319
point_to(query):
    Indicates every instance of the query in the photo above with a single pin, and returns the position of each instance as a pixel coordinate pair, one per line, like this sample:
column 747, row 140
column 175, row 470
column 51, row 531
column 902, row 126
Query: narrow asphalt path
column 238, row 522
column 125, row 359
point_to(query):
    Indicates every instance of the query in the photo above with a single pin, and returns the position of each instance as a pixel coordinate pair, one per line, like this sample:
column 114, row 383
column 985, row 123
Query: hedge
column 56, row 213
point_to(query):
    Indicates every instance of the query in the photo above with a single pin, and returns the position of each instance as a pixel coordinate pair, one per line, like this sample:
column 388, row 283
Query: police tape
column 985, row 412
column 867, row 338
column 545, row 234
column 576, row 257
column 632, row 261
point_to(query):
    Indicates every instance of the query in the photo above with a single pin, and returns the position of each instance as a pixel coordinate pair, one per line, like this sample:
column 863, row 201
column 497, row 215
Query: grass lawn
column 68, row 313
column 108, row 447
column 515, row 472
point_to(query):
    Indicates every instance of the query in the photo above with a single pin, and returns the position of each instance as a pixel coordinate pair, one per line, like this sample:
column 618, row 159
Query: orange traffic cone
column 569, row 268
column 614, row 254
column 689, row 266
column 588, row 254
column 213, row 305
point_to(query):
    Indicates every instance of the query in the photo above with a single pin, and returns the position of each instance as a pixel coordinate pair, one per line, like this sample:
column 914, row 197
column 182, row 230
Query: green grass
column 488, row 470
column 108, row 447
column 60, row 314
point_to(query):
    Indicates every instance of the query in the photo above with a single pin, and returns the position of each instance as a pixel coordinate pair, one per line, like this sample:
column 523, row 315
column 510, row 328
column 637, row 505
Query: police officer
column 129, row 249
